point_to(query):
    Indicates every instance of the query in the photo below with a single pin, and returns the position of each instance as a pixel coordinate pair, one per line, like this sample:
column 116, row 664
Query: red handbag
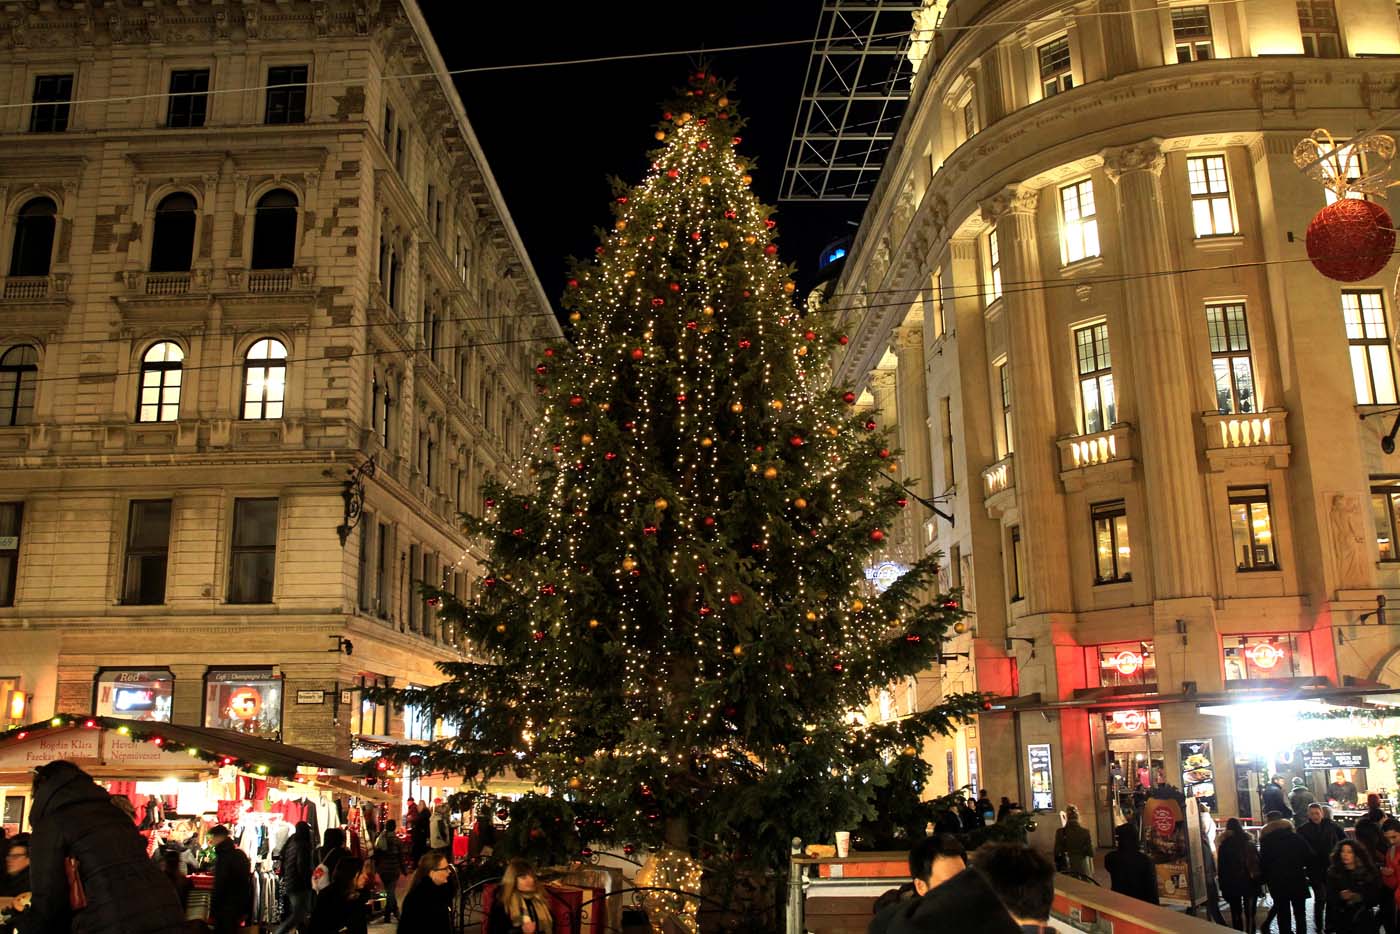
column 77, row 895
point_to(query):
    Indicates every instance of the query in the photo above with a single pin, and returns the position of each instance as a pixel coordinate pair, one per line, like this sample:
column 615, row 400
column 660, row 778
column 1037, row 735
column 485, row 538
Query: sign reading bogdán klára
column 1322, row 759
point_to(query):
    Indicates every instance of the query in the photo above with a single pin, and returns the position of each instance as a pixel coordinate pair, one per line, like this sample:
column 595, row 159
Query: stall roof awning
column 113, row 742
column 1289, row 690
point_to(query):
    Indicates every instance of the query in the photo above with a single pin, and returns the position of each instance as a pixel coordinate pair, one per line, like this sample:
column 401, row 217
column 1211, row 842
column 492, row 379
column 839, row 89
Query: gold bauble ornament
column 574, row 316
column 629, row 563
column 575, row 783
column 738, row 651
column 857, row 605
column 685, row 118
column 894, row 468
column 605, row 406
column 832, row 432
column 708, row 311
column 770, row 473
column 620, row 225
column 723, row 102
column 750, row 239
column 777, row 404
column 724, row 244
column 747, row 179
column 789, row 287
column 704, row 179
column 811, row 616
column 500, row 627
column 629, row 273
column 736, row 408
column 662, row 504
column 800, row 503
column 592, row 624
column 586, row 439
column 706, row 442
column 802, row 351
column 660, row 135
column 910, row 751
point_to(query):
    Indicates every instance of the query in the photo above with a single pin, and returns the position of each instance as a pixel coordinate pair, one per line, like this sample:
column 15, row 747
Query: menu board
column 1042, row 778
column 1197, row 768
column 1325, row 759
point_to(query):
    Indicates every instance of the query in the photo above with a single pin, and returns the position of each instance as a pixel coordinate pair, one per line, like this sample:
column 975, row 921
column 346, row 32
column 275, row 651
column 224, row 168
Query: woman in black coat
column 427, row 908
column 342, row 905
column 126, row 892
column 1283, row 857
column 1237, row 864
column 1354, row 889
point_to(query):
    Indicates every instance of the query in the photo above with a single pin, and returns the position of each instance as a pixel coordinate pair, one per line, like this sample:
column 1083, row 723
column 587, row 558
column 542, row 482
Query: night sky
column 553, row 135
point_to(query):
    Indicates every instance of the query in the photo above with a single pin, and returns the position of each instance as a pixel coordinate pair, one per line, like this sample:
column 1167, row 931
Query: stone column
column 1156, row 345
column 916, row 462
column 1043, row 530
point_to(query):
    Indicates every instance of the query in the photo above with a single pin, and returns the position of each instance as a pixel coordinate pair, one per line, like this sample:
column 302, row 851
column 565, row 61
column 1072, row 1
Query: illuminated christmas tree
column 675, row 628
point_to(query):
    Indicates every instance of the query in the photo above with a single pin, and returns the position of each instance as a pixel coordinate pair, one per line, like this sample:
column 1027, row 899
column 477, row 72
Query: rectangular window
column 1259, row 657
column 432, row 456
column 429, row 578
column 969, row 116
column 53, row 95
column 1372, row 371
column 246, row 701
column 1004, row 381
column 1385, row 507
column 1080, row 234
column 398, row 150
column 11, row 515
column 1191, row 33
column 389, row 129
column 1018, row 564
column 1252, row 528
column 253, row 558
column 936, row 304
column 1229, row 359
column 131, row 694
column 1126, row 663
column 1113, row 556
column 1210, row 196
column 189, row 98
column 1096, row 399
column 286, row 94
column 381, row 570
column 147, row 552
column 1317, row 19
column 945, row 418
column 362, row 577
column 993, row 266
column 411, row 595
column 1056, row 69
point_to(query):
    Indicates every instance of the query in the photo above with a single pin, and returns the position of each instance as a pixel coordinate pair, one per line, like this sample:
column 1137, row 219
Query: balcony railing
column 999, row 477
column 1089, row 450
column 270, row 281
column 32, row 288
column 161, row 284
column 1246, row 437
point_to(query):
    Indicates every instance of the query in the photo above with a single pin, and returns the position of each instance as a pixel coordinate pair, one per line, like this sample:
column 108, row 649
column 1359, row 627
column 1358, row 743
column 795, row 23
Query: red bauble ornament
column 573, row 283
column 913, row 637
column 796, row 441
column 489, row 582
column 902, row 502
column 673, row 173
column 770, row 249
column 770, row 223
column 731, row 215
column 1350, row 240
column 870, row 425
column 549, row 351
column 747, row 293
column 695, row 236
column 843, row 340
column 680, row 397
column 738, row 140
column 599, row 250
column 877, row 536
column 666, row 115
column 744, row 344
column 537, row 636
column 710, row 521
column 609, row 456
column 576, row 400
column 884, row 452
column 490, row 503
column 638, row 353
column 657, row 302
column 675, row 286
column 705, row 611
column 541, row 369
column 736, row 598
column 691, row 325
column 810, row 335
column 849, row 398
column 703, row 144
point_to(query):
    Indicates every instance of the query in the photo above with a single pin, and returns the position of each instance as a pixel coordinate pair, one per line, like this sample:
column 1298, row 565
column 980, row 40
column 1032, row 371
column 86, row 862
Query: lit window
column 1004, row 382
column 1113, row 556
column 264, row 379
column 1252, row 529
column 161, row 369
column 993, row 266
column 1191, row 33
column 1372, row 371
column 1056, row 70
column 1080, row 235
column 19, row 371
column 1317, row 20
column 1385, row 506
column 936, row 304
column 1096, row 396
column 1258, row 657
column 1342, row 162
column 1210, row 196
column 1229, row 359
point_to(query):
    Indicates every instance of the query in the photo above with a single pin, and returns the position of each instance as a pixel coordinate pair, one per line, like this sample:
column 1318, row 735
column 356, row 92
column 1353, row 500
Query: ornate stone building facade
column 245, row 259
column 1082, row 297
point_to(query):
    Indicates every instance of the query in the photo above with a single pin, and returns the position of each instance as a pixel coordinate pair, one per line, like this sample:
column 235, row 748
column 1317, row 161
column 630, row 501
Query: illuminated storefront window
column 1126, row 663
column 135, row 695
column 1249, row 658
column 247, row 700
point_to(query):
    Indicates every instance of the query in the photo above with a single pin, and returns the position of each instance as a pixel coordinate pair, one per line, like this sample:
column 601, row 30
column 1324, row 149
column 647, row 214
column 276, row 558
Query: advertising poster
column 1197, row 769
column 972, row 776
column 1167, row 843
column 1042, row 779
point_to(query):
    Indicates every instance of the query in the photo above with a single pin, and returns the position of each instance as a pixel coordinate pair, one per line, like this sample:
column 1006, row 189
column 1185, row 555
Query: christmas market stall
column 181, row 781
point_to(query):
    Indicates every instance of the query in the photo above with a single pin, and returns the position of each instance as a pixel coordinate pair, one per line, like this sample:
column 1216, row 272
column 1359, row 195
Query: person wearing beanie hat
column 232, row 899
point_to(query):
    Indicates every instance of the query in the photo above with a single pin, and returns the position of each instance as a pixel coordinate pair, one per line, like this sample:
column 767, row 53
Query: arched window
column 172, row 237
column 264, row 379
column 160, row 383
column 33, row 247
column 19, row 370
column 275, row 230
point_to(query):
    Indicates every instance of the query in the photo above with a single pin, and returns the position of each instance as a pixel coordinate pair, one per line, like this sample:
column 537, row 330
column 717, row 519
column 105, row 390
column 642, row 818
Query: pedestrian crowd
column 85, row 869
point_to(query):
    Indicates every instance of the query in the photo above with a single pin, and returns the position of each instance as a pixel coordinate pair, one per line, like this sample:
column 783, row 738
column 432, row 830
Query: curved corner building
column 1081, row 294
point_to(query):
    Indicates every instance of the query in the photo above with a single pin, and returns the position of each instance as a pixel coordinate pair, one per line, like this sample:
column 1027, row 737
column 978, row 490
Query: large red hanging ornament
column 1350, row 240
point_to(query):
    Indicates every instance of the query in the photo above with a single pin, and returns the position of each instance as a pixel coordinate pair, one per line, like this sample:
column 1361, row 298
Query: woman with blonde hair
column 521, row 906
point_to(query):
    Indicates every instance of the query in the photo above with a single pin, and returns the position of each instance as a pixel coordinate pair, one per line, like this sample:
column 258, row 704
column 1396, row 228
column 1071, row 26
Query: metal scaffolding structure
column 853, row 97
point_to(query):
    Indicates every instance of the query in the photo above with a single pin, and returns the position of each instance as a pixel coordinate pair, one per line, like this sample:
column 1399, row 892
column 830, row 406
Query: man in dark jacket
column 933, row 861
column 1130, row 869
column 294, row 865
column 1284, row 858
column 126, row 892
column 1274, row 799
column 966, row 902
column 1322, row 837
column 232, row 899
